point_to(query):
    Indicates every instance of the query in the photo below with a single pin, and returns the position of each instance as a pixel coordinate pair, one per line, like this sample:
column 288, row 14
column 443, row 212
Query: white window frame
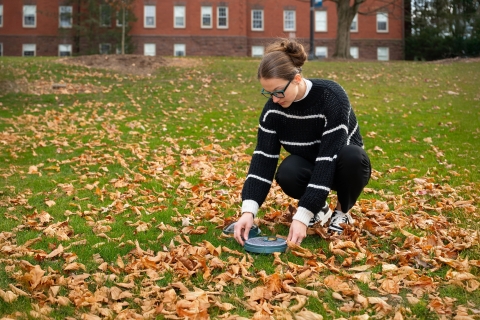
column 286, row 22
column 221, row 26
column 321, row 21
column 65, row 10
column 179, row 47
column 318, row 49
column 68, row 48
column 382, row 17
column 146, row 52
column 256, row 18
column 102, row 24
column 1, row 49
column 1, row 15
column 354, row 24
column 355, row 52
column 383, row 56
column 258, row 51
column 148, row 9
column 34, row 46
column 104, row 44
column 30, row 7
column 206, row 12
column 179, row 17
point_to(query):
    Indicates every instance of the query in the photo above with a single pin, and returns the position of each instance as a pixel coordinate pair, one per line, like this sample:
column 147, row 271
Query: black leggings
column 352, row 174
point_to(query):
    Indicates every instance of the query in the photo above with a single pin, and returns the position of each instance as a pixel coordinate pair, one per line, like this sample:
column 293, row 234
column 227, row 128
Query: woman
column 312, row 119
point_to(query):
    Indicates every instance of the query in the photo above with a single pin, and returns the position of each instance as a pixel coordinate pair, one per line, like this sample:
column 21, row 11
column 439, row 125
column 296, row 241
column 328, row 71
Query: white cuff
column 303, row 215
column 250, row 206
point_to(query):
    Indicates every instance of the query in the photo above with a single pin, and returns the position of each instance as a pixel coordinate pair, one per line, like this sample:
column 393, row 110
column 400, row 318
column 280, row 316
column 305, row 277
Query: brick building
column 200, row 28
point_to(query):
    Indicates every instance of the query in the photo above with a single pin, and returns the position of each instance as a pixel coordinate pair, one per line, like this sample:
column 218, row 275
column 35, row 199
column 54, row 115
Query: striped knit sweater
column 315, row 128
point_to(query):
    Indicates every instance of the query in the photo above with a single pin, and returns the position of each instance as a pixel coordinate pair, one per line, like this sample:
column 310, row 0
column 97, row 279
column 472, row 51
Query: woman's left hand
column 298, row 232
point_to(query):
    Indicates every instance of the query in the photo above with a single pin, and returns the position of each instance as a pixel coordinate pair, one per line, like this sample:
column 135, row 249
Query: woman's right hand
column 242, row 227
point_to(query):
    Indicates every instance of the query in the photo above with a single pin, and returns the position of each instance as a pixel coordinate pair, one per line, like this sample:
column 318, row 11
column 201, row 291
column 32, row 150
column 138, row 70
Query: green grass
column 152, row 150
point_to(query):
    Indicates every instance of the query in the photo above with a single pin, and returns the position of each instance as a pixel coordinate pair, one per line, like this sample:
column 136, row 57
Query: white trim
column 32, row 46
column 312, row 116
column 261, row 20
column 34, row 13
column 381, row 56
column 1, row 15
column 152, row 11
column 321, row 21
column 207, row 11
column 301, row 144
column 289, row 29
column 68, row 48
column 65, row 10
column 354, row 23
column 179, row 12
column 149, row 49
column 225, row 17
column 382, row 17
column 316, row 186
column 326, row 158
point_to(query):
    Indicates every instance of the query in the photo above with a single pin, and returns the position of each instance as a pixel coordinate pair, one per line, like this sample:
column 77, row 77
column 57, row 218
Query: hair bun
column 292, row 48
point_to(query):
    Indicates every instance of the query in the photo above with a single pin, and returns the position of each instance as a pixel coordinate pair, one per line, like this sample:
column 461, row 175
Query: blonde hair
column 283, row 59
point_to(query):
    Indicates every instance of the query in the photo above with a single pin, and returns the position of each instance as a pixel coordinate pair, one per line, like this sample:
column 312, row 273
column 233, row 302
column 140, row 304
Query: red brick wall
column 235, row 40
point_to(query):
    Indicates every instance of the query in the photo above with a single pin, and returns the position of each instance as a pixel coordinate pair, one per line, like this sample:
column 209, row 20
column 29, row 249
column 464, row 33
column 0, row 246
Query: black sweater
column 315, row 128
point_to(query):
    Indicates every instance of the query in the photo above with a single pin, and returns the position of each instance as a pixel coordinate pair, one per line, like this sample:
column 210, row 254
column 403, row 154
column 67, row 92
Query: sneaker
column 321, row 216
column 338, row 217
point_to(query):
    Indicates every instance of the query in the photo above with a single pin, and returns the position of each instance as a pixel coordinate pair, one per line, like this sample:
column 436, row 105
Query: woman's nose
column 275, row 99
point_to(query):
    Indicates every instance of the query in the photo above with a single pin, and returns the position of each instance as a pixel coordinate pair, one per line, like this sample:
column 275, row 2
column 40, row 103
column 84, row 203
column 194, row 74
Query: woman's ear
column 298, row 78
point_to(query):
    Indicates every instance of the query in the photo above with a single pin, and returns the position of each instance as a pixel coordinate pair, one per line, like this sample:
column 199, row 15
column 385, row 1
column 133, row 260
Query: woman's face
column 277, row 86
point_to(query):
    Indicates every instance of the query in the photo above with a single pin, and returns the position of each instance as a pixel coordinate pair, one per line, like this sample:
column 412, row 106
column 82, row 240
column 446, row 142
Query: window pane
column 289, row 20
column 206, row 16
column 29, row 50
column 354, row 52
column 65, row 50
column 321, row 52
column 382, row 54
column 320, row 21
column 105, row 15
column 222, row 17
column 29, row 13
column 149, row 16
column 1, row 14
column 354, row 25
column 150, row 49
column 257, row 19
column 257, row 51
column 382, row 21
column 65, row 17
column 179, row 13
column 179, row 50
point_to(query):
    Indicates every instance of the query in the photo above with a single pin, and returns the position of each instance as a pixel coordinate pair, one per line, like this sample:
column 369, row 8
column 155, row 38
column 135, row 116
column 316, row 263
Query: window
column 179, row 16
column 1, row 49
column 382, row 22
column 1, row 15
column 105, row 15
column 149, row 49
column 179, row 50
column 65, row 15
column 28, row 50
column 321, row 52
column 258, row 51
column 104, row 48
column 354, row 25
column 289, row 20
column 382, row 53
column 64, row 50
column 120, row 17
column 206, row 17
column 257, row 20
column 222, row 16
column 321, row 21
column 29, row 16
column 354, row 52
column 149, row 13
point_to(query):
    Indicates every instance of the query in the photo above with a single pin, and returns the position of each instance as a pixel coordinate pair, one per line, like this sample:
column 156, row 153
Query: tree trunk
column 345, row 15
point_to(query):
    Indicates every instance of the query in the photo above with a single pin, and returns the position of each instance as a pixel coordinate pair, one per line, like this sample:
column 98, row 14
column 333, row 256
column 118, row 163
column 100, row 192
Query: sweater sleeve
column 335, row 135
column 262, row 166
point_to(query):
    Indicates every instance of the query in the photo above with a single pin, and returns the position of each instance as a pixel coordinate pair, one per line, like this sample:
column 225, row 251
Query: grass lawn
column 115, row 189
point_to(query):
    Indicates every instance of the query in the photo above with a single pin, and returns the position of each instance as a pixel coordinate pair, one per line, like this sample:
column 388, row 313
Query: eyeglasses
column 276, row 93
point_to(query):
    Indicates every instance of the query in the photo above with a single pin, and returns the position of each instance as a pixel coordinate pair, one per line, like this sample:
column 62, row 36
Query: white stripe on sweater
column 350, row 136
column 258, row 178
column 326, row 158
column 266, row 154
column 342, row 126
column 267, row 131
column 313, row 116
column 319, row 187
column 293, row 143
